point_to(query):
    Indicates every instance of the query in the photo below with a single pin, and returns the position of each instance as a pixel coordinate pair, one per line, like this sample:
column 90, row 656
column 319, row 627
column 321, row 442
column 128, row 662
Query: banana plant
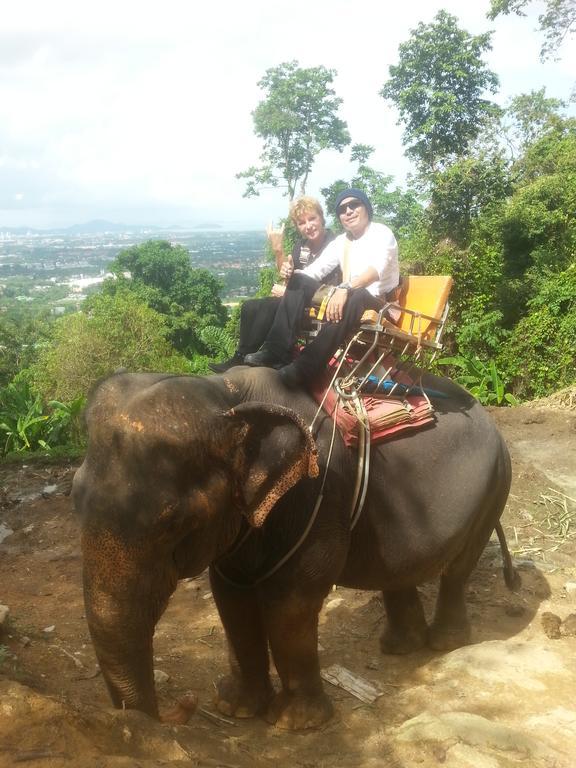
column 481, row 379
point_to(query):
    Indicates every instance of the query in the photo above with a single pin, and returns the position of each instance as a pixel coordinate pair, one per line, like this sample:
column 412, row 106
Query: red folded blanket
column 386, row 415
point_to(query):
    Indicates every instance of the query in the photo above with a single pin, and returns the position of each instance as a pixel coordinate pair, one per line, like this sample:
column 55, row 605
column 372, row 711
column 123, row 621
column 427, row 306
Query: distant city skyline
column 141, row 114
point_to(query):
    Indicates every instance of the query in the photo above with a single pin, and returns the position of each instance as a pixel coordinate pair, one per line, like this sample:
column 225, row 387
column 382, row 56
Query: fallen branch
column 215, row 718
column 25, row 757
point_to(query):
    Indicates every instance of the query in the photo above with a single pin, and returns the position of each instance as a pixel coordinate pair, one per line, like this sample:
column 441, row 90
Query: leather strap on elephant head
column 278, row 451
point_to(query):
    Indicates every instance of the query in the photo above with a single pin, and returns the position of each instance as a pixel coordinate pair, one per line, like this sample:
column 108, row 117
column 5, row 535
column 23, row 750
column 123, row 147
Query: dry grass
column 564, row 400
column 543, row 534
column 560, row 516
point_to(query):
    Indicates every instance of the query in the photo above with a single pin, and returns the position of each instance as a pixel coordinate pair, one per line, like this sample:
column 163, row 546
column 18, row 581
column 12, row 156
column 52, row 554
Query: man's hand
column 287, row 269
column 335, row 308
column 278, row 290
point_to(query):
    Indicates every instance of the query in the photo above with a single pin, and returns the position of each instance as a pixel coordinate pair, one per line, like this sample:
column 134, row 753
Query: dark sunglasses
column 353, row 204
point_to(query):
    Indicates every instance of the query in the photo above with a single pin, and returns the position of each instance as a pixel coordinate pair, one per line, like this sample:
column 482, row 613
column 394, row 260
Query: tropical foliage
column 27, row 425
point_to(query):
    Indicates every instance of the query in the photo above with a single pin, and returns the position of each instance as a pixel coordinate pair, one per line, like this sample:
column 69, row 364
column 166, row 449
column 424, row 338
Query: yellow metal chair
column 382, row 348
column 421, row 307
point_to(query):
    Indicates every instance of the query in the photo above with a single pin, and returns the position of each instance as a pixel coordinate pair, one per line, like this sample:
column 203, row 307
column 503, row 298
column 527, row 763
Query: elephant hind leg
column 450, row 628
column 406, row 629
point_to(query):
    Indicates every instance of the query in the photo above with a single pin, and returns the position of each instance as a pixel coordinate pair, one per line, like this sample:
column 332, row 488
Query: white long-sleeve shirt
column 376, row 248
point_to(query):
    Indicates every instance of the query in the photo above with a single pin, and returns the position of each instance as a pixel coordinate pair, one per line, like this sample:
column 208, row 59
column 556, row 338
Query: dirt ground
column 506, row 700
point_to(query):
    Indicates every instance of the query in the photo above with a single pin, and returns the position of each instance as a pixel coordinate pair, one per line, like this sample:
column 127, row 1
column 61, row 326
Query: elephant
column 184, row 473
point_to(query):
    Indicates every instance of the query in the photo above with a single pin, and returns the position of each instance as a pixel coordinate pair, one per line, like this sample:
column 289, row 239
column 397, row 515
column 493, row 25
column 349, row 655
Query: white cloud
column 128, row 106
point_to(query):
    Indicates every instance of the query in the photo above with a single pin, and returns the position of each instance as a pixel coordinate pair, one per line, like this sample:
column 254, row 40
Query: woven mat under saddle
column 387, row 415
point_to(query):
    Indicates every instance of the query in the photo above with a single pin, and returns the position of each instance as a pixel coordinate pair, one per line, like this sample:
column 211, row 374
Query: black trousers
column 288, row 320
column 256, row 318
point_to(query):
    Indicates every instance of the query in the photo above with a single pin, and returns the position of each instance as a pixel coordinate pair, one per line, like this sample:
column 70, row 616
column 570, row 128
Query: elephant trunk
column 125, row 660
column 123, row 604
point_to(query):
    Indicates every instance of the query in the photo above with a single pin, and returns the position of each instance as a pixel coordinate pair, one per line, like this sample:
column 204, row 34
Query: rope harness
column 360, row 486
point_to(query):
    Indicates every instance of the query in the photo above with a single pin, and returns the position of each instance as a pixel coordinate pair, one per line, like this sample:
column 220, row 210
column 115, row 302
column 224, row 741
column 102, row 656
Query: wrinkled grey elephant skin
column 179, row 468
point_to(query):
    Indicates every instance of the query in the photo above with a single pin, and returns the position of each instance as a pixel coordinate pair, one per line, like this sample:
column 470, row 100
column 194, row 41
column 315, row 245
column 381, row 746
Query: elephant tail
column 511, row 575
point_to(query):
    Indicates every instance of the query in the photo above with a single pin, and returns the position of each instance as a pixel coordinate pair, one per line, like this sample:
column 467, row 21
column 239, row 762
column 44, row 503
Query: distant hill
column 102, row 226
column 97, row 226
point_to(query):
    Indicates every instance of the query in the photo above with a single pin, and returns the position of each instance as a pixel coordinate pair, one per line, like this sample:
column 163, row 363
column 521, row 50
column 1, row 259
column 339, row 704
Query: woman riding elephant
column 367, row 254
column 257, row 315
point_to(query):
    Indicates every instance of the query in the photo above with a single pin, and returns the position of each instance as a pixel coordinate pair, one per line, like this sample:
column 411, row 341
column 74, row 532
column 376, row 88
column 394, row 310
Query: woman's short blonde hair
column 304, row 205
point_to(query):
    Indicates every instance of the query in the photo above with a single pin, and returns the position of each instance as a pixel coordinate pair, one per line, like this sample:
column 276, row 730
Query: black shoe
column 264, row 358
column 236, row 359
column 291, row 376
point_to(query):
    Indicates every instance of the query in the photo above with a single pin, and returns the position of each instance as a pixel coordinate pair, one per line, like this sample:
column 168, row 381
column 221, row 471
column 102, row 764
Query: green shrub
column 540, row 355
column 481, row 379
column 119, row 332
column 27, row 425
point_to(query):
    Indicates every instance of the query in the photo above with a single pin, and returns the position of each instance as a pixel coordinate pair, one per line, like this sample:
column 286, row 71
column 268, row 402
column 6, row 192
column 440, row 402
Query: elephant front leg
column 247, row 691
column 292, row 625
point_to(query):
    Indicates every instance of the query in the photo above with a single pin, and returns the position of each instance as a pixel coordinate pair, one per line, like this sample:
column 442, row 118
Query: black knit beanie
column 356, row 193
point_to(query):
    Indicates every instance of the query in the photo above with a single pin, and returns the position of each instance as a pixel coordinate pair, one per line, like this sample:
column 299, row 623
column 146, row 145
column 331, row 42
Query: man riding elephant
column 367, row 254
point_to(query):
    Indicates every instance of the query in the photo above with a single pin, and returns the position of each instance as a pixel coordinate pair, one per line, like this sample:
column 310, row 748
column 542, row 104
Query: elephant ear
column 277, row 450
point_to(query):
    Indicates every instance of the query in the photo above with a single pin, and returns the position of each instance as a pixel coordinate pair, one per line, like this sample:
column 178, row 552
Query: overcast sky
column 140, row 112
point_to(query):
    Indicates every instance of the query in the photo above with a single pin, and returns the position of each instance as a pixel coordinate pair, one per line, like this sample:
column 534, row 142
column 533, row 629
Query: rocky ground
column 506, row 700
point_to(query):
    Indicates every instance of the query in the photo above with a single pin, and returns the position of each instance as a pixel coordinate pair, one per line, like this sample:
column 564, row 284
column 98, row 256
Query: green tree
column 161, row 275
column 553, row 153
column 540, row 355
column 296, row 120
column 537, row 226
column 462, row 191
column 117, row 331
column 532, row 114
column 556, row 22
column 438, row 88
column 515, row 246
column 526, row 118
column 401, row 210
column 20, row 338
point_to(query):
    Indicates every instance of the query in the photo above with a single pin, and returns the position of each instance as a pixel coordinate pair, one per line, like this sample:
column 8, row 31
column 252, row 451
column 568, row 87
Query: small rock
column 570, row 588
column 49, row 629
column 4, row 613
column 160, row 677
column 536, row 418
column 5, row 532
column 189, row 701
column 568, row 628
column 514, row 609
column 551, row 625
column 25, row 641
column 439, row 753
column 48, row 490
column 475, row 731
column 334, row 603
